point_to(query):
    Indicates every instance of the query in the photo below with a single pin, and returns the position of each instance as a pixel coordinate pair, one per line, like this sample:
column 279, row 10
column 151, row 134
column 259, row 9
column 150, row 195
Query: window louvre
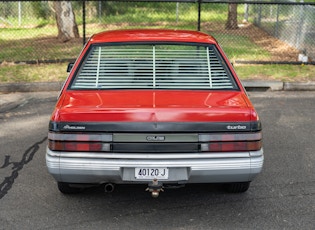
column 153, row 67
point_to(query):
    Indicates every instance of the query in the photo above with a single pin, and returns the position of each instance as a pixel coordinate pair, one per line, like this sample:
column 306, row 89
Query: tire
column 65, row 188
column 238, row 187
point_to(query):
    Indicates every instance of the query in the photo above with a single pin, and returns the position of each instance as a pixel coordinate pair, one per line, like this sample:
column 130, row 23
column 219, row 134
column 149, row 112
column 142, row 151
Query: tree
column 65, row 18
column 231, row 22
column 40, row 10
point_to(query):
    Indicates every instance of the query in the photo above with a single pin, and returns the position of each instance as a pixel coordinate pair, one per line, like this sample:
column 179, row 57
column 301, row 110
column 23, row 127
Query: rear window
column 153, row 66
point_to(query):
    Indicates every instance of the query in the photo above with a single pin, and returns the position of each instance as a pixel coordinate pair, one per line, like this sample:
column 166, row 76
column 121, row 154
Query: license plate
column 151, row 173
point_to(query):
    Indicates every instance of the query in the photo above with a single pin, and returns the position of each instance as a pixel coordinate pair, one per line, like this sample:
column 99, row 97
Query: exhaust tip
column 109, row 187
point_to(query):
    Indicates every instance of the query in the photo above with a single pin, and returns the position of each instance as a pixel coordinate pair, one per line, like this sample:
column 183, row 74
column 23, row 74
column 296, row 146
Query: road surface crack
column 28, row 155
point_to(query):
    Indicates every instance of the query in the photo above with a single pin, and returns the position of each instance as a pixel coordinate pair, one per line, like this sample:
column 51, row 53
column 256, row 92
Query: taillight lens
column 231, row 146
column 238, row 142
column 78, row 146
column 79, row 142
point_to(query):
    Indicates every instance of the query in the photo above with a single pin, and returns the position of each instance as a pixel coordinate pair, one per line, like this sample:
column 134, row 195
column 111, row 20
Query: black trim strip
column 155, row 147
column 140, row 127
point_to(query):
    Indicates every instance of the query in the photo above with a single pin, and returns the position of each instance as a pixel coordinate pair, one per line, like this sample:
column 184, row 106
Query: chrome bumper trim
column 201, row 167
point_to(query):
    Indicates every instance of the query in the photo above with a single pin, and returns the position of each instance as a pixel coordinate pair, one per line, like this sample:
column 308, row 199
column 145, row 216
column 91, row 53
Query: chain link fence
column 293, row 24
column 265, row 31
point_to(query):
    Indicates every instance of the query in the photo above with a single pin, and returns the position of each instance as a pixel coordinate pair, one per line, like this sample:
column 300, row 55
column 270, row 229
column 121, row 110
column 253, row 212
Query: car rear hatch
column 155, row 121
column 155, row 106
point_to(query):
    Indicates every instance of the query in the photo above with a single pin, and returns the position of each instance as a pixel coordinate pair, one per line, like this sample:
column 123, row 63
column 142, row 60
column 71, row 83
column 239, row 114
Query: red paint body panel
column 154, row 106
column 152, row 35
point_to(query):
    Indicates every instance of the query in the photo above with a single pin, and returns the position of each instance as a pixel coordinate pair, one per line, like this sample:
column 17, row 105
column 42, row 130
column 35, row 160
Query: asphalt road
column 281, row 197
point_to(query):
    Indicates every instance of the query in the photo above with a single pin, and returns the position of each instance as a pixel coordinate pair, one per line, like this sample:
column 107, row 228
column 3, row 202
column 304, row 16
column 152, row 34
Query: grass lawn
column 38, row 42
column 57, row 72
column 236, row 47
column 33, row 73
column 286, row 73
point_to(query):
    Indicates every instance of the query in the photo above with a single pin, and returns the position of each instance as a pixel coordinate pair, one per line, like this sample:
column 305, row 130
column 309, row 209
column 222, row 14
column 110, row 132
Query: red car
column 160, row 107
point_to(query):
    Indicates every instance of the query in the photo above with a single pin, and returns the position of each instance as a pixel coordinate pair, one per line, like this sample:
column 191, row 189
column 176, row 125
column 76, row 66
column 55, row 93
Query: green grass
column 9, row 34
column 41, row 43
column 33, row 73
column 48, row 49
column 241, row 48
column 57, row 72
column 287, row 73
column 35, row 44
column 36, row 40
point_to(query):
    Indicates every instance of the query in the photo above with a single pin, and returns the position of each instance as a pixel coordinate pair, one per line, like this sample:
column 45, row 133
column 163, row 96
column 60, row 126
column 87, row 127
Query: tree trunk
column 65, row 18
column 231, row 22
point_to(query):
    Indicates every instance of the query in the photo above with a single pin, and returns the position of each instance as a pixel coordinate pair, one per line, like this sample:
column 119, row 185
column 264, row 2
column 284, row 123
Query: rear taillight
column 225, row 142
column 79, row 142
column 238, row 142
column 238, row 146
column 78, row 146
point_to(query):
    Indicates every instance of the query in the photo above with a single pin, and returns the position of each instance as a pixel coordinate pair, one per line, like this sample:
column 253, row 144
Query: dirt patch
column 279, row 50
column 47, row 41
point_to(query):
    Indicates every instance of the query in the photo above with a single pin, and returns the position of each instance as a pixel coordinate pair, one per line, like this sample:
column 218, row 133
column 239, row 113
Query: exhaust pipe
column 109, row 187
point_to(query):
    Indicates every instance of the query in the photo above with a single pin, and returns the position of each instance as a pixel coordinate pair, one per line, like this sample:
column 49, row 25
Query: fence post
column 259, row 15
column 277, row 23
column 199, row 14
column 300, row 32
column 83, row 23
column 20, row 13
column 99, row 11
column 246, row 12
column 177, row 11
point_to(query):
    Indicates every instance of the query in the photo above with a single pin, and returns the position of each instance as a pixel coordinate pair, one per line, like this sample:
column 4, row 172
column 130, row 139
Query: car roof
column 147, row 35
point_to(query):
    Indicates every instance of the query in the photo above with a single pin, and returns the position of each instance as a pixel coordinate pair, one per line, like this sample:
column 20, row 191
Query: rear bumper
column 97, row 168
